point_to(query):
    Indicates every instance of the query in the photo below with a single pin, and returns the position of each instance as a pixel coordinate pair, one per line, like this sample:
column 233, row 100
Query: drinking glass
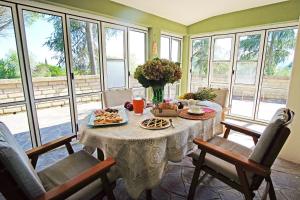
column 138, row 105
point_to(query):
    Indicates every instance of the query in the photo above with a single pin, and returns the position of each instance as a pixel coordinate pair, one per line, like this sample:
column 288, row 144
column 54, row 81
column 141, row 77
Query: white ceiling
column 190, row 11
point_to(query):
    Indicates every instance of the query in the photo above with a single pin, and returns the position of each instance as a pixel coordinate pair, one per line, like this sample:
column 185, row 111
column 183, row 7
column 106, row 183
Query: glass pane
column 199, row 76
column 271, row 100
column 85, row 56
column 165, row 48
column 137, row 53
column 115, row 74
column 222, row 49
column 45, row 42
column 114, row 43
column 245, row 73
column 11, row 89
column 15, row 118
column 277, row 70
column 54, row 119
column 85, row 104
column 174, row 90
column 141, row 92
column 249, row 47
column 175, row 53
column 243, row 100
column 221, row 72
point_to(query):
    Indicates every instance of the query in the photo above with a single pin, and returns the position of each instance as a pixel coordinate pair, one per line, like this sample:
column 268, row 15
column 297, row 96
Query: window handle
column 128, row 73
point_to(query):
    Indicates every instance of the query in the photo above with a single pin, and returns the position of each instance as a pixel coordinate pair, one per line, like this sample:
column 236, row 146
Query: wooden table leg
column 149, row 194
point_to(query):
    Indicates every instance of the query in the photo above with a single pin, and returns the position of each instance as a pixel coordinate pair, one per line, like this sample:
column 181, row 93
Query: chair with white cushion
column 117, row 97
column 78, row 176
column 242, row 168
column 221, row 99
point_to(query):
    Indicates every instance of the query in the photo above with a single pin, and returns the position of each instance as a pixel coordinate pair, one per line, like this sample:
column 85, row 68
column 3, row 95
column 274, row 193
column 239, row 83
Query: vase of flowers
column 156, row 74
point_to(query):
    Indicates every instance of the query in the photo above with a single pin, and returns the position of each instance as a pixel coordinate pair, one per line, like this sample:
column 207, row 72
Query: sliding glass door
column 246, row 73
column 13, row 92
column 277, row 67
column 85, row 64
column 256, row 70
column 49, row 78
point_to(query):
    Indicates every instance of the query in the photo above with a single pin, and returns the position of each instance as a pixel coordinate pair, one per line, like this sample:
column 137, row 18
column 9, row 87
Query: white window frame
column 172, row 37
column 265, row 29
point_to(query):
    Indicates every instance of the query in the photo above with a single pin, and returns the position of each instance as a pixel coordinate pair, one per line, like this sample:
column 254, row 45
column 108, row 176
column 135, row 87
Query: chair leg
column 226, row 134
column 244, row 183
column 148, row 194
column 272, row 194
column 107, row 187
column 196, row 176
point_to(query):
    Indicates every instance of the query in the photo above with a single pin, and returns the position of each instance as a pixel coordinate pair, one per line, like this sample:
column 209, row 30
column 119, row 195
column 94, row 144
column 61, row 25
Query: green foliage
column 157, row 72
column 45, row 70
column 249, row 47
column 200, row 57
column 9, row 67
column 206, row 94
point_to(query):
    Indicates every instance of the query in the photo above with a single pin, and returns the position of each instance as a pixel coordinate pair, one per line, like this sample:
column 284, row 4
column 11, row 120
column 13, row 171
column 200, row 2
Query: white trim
column 65, row 9
column 171, row 34
column 247, row 29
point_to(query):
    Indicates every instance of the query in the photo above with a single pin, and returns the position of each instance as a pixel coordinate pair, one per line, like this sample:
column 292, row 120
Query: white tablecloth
column 142, row 154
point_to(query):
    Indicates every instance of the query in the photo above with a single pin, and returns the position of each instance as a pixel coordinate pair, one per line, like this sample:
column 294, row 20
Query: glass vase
column 158, row 94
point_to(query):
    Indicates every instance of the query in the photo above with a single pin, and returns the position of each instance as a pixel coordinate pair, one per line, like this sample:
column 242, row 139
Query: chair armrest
column 49, row 146
column 233, row 158
column 80, row 181
column 242, row 129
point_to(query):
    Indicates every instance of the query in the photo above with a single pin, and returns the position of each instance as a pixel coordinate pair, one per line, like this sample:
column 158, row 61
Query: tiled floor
column 176, row 181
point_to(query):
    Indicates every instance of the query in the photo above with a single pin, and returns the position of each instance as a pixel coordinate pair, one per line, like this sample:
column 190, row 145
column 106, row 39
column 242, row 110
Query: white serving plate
column 121, row 112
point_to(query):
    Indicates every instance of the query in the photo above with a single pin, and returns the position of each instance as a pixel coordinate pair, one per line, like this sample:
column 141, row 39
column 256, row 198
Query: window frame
column 261, row 61
column 172, row 37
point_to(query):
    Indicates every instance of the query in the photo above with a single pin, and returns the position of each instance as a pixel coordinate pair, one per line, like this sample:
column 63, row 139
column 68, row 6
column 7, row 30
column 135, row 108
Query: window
column 67, row 71
column 277, row 68
column 256, row 70
column 114, row 56
column 199, row 64
column 170, row 48
column 45, row 43
column 85, row 64
column 221, row 62
column 13, row 107
column 137, row 56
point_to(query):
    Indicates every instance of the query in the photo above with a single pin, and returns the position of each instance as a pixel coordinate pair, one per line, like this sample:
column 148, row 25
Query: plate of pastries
column 155, row 123
column 107, row 117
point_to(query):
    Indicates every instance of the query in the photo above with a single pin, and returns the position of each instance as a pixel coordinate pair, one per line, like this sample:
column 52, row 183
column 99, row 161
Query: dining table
column 142, row 155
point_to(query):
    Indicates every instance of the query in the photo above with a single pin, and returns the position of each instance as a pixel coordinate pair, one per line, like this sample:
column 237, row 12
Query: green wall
column 279, row 12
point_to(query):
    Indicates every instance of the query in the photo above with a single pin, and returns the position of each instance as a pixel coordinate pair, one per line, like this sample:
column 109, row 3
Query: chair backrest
column 222, row 95
column 272, row 139
column 117, row 97
column 15, row 165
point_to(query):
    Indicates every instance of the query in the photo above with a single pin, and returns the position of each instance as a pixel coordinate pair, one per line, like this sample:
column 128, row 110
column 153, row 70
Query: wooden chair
column 78, row 176
column 221, row 99
column 238, row 166
column 117, row 97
